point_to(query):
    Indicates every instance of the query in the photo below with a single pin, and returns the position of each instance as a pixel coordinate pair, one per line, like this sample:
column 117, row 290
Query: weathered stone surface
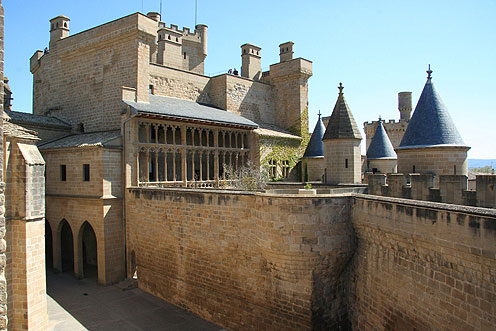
column 245, row 261
column 422, row 266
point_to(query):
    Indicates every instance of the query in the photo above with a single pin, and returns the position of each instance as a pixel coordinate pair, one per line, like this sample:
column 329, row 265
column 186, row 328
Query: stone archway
column 48, row 246
column 66, row 247
column 88, row 256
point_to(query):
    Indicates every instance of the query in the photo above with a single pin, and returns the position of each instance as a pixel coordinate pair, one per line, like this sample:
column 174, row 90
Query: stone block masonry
column 253, row 261
column 3, row 282
column 244, row 261
column 422, row 266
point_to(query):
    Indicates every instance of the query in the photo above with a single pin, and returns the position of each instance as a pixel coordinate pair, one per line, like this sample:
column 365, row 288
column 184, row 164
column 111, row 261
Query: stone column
column 216, row 157
column 183, row 156
column 25, row 192
column 78, row 255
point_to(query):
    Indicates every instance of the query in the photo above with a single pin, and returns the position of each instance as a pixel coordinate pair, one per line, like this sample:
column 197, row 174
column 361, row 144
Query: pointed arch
column 88, row 253
column 64, row 232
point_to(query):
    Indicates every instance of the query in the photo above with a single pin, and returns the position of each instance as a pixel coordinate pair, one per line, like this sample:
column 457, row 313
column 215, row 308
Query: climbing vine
column 280, row 149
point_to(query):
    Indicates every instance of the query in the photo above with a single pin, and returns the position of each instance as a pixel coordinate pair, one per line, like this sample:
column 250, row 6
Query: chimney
column 286, row 51
column 251, row 63
column 59, row 29
column 154, row 16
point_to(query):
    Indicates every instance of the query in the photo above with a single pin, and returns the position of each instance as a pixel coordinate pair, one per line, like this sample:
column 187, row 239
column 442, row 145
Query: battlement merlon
column 34, row 61
column 298, row 66
column 385, row 122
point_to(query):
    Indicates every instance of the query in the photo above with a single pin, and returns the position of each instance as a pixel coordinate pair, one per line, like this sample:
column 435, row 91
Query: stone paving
column 83, row 305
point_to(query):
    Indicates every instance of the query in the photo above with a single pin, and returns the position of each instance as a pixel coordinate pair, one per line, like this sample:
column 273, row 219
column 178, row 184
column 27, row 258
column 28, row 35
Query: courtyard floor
column 83, row 305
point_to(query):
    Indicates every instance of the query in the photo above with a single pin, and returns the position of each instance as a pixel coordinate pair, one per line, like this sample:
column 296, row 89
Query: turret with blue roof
column 342, row 145
column 313, row 158
column 380, row 154
column 431, row 143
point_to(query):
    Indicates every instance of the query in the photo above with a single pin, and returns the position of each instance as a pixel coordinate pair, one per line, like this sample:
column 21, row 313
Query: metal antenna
column 160, row 8
column 196, row 11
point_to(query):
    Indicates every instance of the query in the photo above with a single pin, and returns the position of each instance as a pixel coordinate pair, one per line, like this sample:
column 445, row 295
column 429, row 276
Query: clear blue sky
column 375, row 48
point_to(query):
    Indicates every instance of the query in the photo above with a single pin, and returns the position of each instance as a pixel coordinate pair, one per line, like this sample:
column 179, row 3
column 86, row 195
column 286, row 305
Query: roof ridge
column 341, row 124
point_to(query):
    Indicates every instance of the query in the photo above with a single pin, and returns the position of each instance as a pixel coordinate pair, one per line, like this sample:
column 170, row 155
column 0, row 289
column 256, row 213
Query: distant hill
column 479, row 163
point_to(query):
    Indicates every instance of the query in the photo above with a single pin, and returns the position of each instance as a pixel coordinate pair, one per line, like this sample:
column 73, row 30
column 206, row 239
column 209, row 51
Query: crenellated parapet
column 394, row 128
column 446, row 188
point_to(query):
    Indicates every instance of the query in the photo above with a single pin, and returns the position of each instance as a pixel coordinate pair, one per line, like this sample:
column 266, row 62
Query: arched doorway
column 88, row 251
column 48, row 246
column 67, row 247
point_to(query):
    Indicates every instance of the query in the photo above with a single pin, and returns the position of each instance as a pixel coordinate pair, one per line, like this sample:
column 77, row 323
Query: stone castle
column 120, row 171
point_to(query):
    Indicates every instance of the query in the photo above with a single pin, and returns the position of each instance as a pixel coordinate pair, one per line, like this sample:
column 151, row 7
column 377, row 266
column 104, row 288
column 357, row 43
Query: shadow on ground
column 83, row 305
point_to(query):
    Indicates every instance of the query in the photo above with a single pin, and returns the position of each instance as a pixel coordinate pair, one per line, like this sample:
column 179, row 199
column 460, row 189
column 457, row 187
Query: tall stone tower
column 405, row 105
column 431, row 143
column 342, row 145
column 290, row 80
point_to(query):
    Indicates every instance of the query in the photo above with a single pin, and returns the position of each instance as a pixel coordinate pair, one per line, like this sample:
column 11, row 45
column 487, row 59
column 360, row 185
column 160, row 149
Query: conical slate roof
column 380, row 147
column 315, row 147
column 341, row 124
column 431, row 124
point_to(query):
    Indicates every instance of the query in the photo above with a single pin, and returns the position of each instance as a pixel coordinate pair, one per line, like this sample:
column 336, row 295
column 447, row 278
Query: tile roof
column 341, row 124
column 274, row 131
column 84, row 140
column 186, row 109
column 32, row 119
column 431, row 124
column 315, row 147
column 380, row 147
column 17, row 131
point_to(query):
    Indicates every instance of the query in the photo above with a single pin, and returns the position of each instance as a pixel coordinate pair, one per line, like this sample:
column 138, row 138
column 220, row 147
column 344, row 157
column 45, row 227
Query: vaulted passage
column 67, row 247
column 89, row 251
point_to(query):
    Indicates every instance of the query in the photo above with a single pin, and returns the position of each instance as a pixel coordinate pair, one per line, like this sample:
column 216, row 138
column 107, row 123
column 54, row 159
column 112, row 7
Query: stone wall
column 422, row 266
column 245, row 261
column 438, row 161
column 80, row 79
column 394, row 129
column 450, row 188
column 250, row 99
column 343, row 161
column 25, row 240
column 316, row 169
column 3, row 283
column 177, row 83
column 97, row 202
column 385, row 166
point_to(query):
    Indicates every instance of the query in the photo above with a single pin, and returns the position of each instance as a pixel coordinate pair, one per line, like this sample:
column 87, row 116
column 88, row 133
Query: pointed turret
column 315, row 147
column 380, row 154
column 341, row 124
column 431, row 143
column 380, row 146
column 431, row 124
column 342, row 145
column 313, row 158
